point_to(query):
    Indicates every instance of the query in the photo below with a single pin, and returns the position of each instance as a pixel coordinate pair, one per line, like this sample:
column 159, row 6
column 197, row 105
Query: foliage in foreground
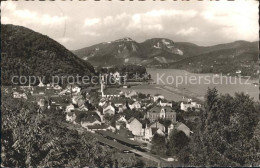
column 228, row 133
column 31, row 138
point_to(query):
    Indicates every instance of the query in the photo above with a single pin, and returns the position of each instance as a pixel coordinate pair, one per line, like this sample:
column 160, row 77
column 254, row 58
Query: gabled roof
column 168, row 109
column 131, row 119
column 154, row 130
column 111, row 91
column 158, row 123
column 118, row 101
column 90, row 118
column 164, row 101
column 155, row 109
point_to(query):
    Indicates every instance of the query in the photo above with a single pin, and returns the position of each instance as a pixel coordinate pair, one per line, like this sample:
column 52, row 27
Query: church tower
column 102, row 87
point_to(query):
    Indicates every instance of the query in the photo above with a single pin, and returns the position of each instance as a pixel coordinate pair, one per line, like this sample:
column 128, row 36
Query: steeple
column 102, row 85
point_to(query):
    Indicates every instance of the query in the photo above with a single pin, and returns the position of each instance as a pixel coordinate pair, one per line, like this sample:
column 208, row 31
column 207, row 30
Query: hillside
column 25, row 52
column 164, row 53
column 224, row 58
column 153, row 51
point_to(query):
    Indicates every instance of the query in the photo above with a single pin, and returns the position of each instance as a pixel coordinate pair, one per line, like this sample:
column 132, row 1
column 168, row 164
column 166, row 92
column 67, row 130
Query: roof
column 117, row 101
column 154, row 130
column 111, row 91
column 70, row 113
column 111, row 143
column 164, row 101
column 119, row 138
column 97, row 126
column 131, row 119
column 90, row 118
column 149, row 125
column 155, row 109
column 124, row 132
column 168, row 109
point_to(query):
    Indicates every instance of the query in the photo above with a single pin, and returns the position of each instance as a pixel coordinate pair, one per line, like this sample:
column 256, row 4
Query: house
column 116, row 76
column 135, row 126
column 118, row 102
column 110, row 92
column 101, row 127
column 71, row 117
column 130, row 94
column 57, row 102
column 69, row 108
column 147, row 134
column 75, row 89
column 38, row 90
column 121, row 108
column 157, row 96
column 135, row 105
column 109, row 109
column 41, row 84
column 83, row 108
column 182, row 127
column 157, row 125
column 151, row 129
column 41, row 103
column 78, row 100
column 125, row 133
column 102, row 102
column 164, row 102
column 19, row 95
column 238, row 71
column 57, row 87
column 158, row 131
column 90, row 120
column 186, row 106
column 121, row 121
column 161, row 112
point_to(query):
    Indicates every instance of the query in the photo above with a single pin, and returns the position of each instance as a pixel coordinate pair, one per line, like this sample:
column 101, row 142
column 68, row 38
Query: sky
column 78, row 24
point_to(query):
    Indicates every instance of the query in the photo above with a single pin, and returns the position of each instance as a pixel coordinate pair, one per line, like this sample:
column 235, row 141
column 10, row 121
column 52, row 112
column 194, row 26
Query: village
column 119, row 118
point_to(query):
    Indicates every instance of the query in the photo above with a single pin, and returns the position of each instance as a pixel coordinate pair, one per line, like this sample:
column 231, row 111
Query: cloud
column 91, row 22
column 188, row 31
column 234, row 20
column 64, row 40
column 76, row 26
column 88, row 33
column 27, row 18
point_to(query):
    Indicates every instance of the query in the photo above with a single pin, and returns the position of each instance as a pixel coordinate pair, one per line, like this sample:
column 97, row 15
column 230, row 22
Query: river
column 179, row 85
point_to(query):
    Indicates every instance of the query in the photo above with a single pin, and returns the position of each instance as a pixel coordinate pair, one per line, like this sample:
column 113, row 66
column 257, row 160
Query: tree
column 34, row 139
column 158, row 145
column 225, row 136
column 177, row 141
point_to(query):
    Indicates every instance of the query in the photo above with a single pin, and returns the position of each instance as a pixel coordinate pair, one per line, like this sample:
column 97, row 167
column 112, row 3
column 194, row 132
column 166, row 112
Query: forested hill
column 25, row 52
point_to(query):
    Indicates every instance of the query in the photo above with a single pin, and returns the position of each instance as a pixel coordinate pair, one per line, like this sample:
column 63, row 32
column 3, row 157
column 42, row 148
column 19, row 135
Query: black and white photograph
column 109, row 83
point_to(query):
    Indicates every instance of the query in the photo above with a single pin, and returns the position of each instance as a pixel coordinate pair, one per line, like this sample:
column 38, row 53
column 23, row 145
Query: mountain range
column 27, row 53
column 162, row 52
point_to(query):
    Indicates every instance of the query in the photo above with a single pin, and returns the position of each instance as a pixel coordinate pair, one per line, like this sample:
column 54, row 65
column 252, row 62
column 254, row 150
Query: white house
column 180, row 127
column 157, row 96
column 185, row 106
column 71, row 117
column 135, row 126
column 69, row 108
column 116, row 76
column 76, row 89
column 57, row 87
column 164, row 103
column 109, row 109
column 19, row 95
column 135, row 105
